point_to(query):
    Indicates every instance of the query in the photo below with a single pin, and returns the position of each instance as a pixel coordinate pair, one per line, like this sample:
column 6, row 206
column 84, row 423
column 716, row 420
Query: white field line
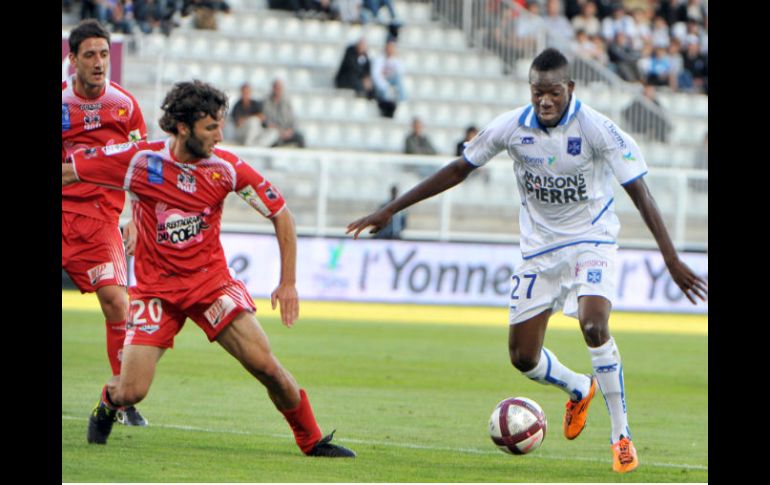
column 415, row 446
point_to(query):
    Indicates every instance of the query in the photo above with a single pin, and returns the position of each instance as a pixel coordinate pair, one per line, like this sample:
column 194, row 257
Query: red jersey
column 177, row 207
column 114, row 117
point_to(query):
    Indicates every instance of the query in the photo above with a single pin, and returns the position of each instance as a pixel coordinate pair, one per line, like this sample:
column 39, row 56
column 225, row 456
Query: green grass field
column 412, row 400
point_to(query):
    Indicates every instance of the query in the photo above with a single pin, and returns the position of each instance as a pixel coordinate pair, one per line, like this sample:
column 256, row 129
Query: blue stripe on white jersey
column 564, row 174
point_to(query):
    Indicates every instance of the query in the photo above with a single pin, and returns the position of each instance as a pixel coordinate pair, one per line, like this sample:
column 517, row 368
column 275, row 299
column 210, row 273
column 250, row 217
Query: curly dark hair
column 187, row 102
column 85, row 30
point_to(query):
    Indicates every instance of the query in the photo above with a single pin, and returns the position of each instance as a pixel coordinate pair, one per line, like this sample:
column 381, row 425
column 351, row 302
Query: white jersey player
column 565, row 155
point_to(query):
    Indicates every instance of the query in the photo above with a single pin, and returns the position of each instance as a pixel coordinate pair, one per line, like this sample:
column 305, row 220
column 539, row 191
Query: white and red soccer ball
column 517, row 425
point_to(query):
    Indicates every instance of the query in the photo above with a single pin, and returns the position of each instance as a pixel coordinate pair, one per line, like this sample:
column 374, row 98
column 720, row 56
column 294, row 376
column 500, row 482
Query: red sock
column 116, row 332
column 303, row 424
column 106, row 399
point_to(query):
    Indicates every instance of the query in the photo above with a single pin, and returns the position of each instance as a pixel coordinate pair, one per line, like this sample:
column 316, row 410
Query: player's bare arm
column 129, row 237
column 286, row 292
column 68, row 174
column 691, row 284
column 445, row 178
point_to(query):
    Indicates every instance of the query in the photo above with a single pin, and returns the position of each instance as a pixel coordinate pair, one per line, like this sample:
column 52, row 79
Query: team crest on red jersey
column 92, row 119
column 185, row 181
column 120, row 113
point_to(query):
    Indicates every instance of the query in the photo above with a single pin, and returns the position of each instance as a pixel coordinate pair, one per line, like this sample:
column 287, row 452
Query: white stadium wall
column 434, row 272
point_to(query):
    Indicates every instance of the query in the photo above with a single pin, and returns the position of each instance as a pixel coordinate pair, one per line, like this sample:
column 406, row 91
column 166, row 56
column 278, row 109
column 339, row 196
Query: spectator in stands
column 416, row 142
column 370, row 10
column 515, row 36
column 600, row 51
column 204, row 12
column 94, row 9
column 279, row 117
column 118, row 13
column 619, row 21
column 655, row 66
column 696, row 11
column 355, row 71
column 470, row 132
column 152, row 14
column 249, row 119
column 696, row 65
column 623, row 58
column 642, row 33
column 321, row 9
column 558, row 29
column 660, row 35
column 674, row 51
column 349, row 10
column 693, row 34
column 393, row 229
column 645, row 116
column 672, row 11
column 573, row 8
column 388, row 79
column 583, row 46
column 587, row 20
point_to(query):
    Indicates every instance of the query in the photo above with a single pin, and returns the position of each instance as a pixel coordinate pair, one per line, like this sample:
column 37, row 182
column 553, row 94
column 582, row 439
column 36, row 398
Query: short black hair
column 549, row 60
column 85, row 30
column 187, row 102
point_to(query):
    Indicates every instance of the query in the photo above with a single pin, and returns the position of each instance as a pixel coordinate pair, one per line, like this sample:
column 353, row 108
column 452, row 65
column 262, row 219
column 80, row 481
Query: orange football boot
column 624, row 456
column 577, row 412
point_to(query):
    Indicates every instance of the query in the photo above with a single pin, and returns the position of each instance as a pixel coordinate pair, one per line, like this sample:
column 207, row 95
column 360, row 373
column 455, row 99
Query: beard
column 194, row 146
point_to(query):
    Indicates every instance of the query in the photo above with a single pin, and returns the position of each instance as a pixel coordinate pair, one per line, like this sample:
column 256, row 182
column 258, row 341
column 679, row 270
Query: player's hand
column 377, row 220
column 286, row 295
column 691, row 284
column 129, row 237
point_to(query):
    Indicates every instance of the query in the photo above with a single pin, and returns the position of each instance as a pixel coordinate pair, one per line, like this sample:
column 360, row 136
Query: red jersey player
column 97, row 112
column 180, row 185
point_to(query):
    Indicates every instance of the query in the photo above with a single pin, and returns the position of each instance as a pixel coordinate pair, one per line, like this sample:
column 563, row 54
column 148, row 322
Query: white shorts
column 555, row 280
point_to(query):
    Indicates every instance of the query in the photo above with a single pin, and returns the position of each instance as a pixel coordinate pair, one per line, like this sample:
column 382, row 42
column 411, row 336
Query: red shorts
column 92, row 252
column 155, row 317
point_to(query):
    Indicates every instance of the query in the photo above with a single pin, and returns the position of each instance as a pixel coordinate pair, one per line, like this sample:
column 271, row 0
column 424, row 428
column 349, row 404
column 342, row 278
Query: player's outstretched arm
column 68, row 174
column 691, row 284
column 286, row 292
column 445, row 178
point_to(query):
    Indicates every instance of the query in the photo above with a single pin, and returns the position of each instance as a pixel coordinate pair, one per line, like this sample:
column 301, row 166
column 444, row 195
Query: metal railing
column 326, row 190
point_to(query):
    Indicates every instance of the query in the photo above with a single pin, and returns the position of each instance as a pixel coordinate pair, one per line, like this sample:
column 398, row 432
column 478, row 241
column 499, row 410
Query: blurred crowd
column 655, row 42
column 658, row 43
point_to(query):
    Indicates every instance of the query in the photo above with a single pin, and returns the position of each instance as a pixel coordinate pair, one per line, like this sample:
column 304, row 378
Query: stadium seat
column 258, row 78
column 332, row 30
column 700, row 106
column 248, row 23
column 271, row 27
column 227, row 23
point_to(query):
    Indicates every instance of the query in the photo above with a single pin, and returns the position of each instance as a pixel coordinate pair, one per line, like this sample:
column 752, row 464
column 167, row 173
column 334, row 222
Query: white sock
column 549, row 371
column 608, row 370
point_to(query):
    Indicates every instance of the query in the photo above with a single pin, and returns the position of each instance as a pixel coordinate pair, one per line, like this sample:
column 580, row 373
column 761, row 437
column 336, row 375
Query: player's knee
column 129, row 394
column 114, row 306
column 522, row 361
column 595, row 331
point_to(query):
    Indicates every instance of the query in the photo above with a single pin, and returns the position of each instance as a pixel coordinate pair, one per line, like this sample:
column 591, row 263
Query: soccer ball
column 517, row 425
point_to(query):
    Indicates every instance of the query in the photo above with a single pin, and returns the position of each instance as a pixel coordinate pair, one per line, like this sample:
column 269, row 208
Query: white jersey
column 563, row 174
